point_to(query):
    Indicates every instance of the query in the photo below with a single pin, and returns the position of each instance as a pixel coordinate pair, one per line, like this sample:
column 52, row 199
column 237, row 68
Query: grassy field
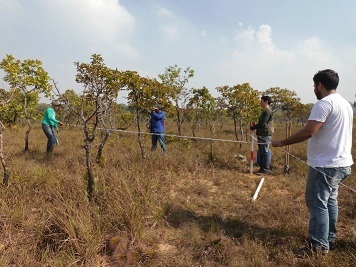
column 182, row 209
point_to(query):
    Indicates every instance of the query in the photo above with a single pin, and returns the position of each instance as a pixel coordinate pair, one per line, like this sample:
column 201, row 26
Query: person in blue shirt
column 50, row 125
column 157, row 128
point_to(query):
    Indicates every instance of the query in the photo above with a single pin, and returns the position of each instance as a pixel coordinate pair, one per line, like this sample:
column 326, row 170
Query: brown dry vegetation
column 181, row 209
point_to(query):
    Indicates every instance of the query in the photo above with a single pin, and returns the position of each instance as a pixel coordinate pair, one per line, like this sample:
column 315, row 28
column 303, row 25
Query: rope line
column 350, row 188
column 220, row 140
column 194, row 137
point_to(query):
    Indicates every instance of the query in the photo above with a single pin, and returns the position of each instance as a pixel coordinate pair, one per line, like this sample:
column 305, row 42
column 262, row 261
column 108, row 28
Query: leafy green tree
column 41, row 108
column 101, row 86
column 71, row 114
column 143, row 95
column 5, row 99
column 201, row 104
column 243, row 101
column 121, row 116
column 28, row 78
column 284, row 100
column 303, row 112
column 176, row 79
column 205, row 106
column 2, row 157
column 11, row 111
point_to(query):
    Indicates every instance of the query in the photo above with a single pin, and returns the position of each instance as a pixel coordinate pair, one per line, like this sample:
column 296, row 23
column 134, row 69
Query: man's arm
column 159, row 115
column 311, row 128
column 262, row 121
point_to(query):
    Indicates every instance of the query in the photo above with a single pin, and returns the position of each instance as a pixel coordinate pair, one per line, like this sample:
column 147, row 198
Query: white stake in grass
column 252, row 158
column 258, row 189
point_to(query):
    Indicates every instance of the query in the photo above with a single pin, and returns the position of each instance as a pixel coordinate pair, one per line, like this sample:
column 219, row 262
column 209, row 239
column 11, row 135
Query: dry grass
column 182, row 209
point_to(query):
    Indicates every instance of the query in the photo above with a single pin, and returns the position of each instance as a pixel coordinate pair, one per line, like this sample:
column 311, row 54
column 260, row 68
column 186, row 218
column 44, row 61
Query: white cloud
column 170, row 32
column 260, row 42
column 128, row 50
column 169, row 24
column 264, row 38
column 59, row 32
column 164, row 12
column 313, row 49
column 95, row 21
column 83, row 25
column 258, row 60
column 246, row 37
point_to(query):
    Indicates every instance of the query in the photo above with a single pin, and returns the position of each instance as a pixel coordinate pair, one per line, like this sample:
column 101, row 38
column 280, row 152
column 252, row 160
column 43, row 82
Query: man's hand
column 60, row 123
column 277, row 143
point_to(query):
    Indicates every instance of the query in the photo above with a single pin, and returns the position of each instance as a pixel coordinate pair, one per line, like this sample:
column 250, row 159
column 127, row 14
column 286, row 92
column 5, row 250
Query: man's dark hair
column 267, row 98
column 328, row 77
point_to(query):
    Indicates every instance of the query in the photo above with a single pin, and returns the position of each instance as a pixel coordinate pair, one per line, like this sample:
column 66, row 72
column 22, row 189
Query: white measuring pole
column 252, row 155
column 258, row 189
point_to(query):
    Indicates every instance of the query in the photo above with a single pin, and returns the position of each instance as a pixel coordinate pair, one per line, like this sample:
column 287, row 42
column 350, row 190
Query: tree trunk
column 27, row 134
column 3, row 162
column 139, row 136
column 179, row 119
column 212, row 130
column 101, row 146
column 241, row 132
column 235, row 126
column 90, row 187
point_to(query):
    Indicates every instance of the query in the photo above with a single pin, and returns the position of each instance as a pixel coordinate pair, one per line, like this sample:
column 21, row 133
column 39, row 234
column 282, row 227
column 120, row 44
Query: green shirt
column 265, row 125
column 49, row 118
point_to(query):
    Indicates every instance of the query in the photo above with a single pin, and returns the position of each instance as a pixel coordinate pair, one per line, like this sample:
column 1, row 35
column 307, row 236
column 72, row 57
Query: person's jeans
column 158, row 137
column 321, row 199
column 264, row 152
column 50, row 133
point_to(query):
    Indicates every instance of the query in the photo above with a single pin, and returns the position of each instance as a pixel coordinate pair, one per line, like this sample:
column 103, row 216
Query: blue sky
column 227, row 42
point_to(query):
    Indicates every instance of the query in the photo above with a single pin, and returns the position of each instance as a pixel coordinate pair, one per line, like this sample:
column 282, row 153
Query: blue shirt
column 157, row 122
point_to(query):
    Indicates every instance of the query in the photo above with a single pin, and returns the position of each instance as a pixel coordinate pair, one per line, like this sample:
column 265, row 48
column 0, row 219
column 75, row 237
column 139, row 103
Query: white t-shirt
column 331, row 146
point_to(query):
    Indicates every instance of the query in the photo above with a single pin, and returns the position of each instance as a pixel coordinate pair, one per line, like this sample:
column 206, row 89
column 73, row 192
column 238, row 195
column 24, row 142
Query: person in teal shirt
column 50, row 125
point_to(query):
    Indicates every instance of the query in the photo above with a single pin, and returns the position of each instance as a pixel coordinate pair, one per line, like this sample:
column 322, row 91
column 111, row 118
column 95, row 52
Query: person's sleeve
column 263, row 120
column 159, row 115
column 320, row 111
column 52, row 118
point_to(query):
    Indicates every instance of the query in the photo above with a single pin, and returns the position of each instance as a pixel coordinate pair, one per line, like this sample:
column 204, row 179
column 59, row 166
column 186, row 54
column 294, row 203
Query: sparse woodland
column 182, row 209
column 104, row 199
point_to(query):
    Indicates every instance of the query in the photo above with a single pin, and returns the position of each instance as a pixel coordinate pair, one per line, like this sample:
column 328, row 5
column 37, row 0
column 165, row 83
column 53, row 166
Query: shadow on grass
column 39, row 156
column 237, row 229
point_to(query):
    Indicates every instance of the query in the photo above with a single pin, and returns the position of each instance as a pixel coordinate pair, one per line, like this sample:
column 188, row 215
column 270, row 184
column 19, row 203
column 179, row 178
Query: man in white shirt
column 329, row 134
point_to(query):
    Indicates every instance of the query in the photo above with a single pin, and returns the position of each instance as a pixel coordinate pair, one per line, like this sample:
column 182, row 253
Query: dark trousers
column 50, row 133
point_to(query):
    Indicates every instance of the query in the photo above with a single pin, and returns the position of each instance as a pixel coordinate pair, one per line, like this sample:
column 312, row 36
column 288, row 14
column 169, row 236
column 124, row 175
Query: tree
column 143, row 95
column 174, row 79
column 201, row 104
column 28, row 78
column 11, row 111
column 243, row 101
column 101, row 86
column 285, row 101
column 205, row 106
column 5, row 99
column 121, row 116
column 73, row 106
column 303, row 112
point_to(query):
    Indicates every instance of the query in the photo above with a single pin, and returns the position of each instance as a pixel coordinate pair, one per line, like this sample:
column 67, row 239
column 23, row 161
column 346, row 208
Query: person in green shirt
column 50, row 125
